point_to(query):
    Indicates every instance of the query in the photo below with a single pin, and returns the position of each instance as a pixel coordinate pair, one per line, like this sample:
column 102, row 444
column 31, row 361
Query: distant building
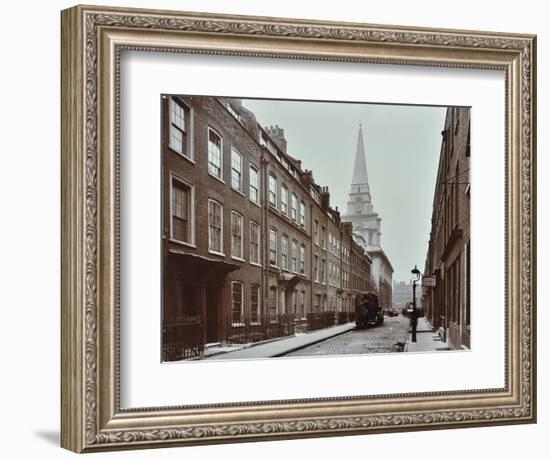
column 446, row 282
column 367, row 230
column 402, row 293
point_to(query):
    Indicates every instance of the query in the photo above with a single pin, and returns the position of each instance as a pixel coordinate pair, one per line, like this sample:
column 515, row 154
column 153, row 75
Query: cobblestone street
column 381, row 339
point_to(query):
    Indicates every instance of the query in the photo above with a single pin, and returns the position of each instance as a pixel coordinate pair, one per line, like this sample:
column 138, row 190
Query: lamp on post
column 414, row 314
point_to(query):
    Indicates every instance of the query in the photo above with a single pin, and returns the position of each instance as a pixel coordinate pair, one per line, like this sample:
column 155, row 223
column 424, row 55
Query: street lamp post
column 414, row 314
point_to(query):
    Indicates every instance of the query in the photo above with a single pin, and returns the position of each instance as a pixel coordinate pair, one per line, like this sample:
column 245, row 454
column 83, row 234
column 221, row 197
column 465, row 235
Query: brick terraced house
column 446, row 296
column 251, row 248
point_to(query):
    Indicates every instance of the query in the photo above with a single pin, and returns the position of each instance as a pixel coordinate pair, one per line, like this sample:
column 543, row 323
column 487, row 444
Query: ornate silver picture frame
column 93, row 39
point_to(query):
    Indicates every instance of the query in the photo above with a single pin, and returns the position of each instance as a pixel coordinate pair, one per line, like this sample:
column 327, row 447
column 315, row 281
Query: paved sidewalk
column 283, row 346
column 426, row 339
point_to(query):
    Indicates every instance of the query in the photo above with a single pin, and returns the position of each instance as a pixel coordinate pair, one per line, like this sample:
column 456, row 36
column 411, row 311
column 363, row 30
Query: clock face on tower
column 358, row 207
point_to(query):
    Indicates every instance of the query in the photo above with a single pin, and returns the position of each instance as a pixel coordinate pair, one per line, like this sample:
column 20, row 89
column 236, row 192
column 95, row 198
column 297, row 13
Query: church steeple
column 360, row 168
column 360, row 179
column 360, row 208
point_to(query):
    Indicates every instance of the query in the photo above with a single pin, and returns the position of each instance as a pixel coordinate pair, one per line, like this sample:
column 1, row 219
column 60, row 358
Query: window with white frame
column 302, row 259
column 294, row 256
column 254, row 193
column 293, row 207
column 236, row 170
column 236, row 235
column 273, row 190
column 237, row 303
column 273, row 300
column 316, row 268
column 255, row 294
column 179, row 127
column 182, row 212
column 254, row 242
column 323, row 271
column 316, row 232
column 302, row 214
column 215, row 155
column 273, row 247
column 284, row 252
column 323, row 236
column 215, row 224
column 284, row 199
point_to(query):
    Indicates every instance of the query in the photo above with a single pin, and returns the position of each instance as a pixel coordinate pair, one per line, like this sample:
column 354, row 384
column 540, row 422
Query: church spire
column 360, row 168
column 360, row 210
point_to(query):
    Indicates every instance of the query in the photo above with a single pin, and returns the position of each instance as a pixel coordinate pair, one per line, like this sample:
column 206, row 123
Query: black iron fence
column 320, row 320
column 182, row 338
column 341, row 317
column 269, row 327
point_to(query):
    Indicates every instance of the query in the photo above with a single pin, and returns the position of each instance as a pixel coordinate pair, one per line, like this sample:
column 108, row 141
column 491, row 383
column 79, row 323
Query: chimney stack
column 347, row 227
column 325, row 198
column 278, row 136
column 307, row 178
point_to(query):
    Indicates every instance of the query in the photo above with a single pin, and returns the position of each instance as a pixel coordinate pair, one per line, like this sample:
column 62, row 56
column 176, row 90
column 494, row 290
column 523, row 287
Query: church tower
column 360, row 208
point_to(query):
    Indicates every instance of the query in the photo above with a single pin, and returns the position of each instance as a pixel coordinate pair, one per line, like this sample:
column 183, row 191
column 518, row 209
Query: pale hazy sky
column 402, row 145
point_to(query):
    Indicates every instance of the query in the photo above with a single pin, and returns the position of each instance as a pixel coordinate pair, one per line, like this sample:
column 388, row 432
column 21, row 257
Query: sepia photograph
column 294, row 228
column 271, row 217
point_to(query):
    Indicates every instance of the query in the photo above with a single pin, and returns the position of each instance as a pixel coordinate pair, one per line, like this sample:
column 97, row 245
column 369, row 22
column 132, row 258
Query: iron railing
column 342, row 317
column 182, row 338
column 320, row 320
column 269, row 327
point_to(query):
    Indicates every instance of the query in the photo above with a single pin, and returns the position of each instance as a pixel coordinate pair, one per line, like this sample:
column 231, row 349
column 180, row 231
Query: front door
column 212, row 314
